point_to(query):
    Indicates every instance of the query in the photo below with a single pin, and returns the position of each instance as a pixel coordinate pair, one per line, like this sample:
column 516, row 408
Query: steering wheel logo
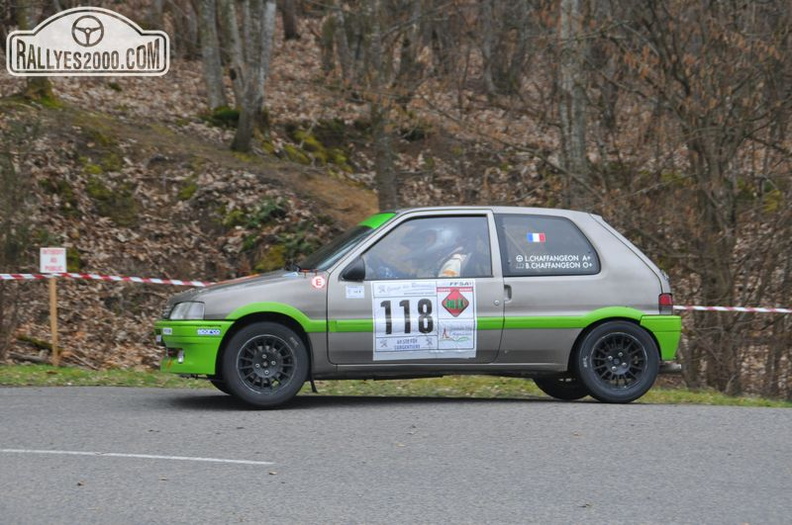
column 87, row 31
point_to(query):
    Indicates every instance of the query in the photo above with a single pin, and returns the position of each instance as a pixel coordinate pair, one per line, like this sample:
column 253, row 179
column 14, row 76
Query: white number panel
column 424, row 319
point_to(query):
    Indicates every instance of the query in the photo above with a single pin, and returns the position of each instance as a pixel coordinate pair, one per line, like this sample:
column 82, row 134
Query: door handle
column 507, row 293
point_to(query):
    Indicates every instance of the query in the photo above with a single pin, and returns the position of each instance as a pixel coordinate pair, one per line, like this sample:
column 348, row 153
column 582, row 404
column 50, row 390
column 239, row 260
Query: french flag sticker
column 536, row 237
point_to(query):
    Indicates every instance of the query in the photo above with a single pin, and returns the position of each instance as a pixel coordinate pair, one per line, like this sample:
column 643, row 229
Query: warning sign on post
column 53, row 260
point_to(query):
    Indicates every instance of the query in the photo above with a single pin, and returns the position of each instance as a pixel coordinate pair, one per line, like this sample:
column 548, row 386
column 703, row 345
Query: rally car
column 557, row 296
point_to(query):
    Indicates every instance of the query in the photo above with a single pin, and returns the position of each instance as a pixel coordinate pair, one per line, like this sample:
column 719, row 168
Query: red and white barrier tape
column 201, row 284
column 735, row 309
column 96, row 277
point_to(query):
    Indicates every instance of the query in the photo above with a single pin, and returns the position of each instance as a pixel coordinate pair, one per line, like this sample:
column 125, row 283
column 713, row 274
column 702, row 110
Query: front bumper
column 191, row 347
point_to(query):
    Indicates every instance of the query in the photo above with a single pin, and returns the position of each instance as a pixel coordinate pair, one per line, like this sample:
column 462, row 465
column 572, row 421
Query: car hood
column 243, row 286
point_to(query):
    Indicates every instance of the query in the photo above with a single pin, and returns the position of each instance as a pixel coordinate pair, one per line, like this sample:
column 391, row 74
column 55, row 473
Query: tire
column 617, row 362
column 219, row 384
column 265, row 364
column 566, row 388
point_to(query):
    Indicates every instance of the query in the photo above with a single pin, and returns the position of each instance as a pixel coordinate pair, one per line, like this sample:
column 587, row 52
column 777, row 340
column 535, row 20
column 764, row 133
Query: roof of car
column 495, row 209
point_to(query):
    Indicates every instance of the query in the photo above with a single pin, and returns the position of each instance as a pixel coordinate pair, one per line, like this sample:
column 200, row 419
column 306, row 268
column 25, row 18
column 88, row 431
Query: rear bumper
column 667, row 331
column 670, row 367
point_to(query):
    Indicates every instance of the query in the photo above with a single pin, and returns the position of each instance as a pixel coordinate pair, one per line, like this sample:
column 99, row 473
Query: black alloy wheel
column 265, row 364
column 618, row 362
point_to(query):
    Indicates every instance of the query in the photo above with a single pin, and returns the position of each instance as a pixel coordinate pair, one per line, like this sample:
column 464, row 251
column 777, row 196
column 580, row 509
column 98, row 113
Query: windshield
column 327, row 255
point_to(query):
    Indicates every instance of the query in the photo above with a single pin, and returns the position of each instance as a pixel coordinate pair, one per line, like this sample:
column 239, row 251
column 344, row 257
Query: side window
column 432, row 247
column 534, row 245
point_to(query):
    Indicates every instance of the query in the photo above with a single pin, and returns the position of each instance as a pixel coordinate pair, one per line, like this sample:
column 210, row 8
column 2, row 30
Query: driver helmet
column 431, row 241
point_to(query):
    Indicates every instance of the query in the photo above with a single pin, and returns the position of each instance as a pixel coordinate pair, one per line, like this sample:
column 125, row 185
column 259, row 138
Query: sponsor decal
column 356, row 291
column 167, row 331
column 208, row 331
column 455, row 302
column 318, row 282
column 87, row 41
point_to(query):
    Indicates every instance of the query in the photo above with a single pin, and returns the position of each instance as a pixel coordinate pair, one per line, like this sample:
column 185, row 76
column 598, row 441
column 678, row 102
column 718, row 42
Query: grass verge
column 450, row 386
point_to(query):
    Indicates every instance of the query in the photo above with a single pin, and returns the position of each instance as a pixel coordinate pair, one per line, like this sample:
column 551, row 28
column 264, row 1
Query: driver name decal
column 424, row 319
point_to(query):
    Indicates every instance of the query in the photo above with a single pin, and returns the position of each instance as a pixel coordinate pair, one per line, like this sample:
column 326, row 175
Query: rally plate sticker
column 424, row 319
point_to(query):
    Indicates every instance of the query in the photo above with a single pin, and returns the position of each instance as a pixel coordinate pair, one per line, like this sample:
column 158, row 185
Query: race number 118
column 423, row 309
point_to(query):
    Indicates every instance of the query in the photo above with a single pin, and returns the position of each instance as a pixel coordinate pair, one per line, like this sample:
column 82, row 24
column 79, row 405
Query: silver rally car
column 554, row 295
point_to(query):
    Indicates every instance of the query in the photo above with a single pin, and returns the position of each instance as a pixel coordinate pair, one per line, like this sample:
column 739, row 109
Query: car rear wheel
column 567, row 388
column 265, row 364
column 617, row 362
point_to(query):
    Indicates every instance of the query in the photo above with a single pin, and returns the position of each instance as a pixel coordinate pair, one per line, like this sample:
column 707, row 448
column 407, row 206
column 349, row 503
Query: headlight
column 187, row 310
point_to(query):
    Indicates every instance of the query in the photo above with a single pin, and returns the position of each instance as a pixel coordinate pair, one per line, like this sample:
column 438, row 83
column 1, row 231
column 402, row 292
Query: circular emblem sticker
column 318, row 282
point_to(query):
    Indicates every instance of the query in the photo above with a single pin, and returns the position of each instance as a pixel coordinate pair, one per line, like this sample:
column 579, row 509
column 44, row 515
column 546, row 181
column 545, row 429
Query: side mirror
column 356, row 271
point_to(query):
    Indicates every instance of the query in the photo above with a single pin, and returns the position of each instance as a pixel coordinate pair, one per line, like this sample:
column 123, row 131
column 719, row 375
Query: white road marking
column 134, row 456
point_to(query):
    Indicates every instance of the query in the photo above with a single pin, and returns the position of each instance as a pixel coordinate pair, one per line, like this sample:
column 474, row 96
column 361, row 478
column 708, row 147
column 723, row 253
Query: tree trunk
column 327, row 43
column 487, row 44
column 232, row 42
column 16, row 143
column 408, row 75
column 210, row 54
column 260, row 30
column 36, row 88
column 519, row 59
column 156, row 15
column 572, row 106
column 185, row 28
column 715, row 246
column 345, row 58
column 387, row 193
column 387, row 189
column 289, row 17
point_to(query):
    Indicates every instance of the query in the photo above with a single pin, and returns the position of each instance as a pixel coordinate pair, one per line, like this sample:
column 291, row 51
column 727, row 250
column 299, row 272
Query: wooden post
column 53, row 295
column 53, row 261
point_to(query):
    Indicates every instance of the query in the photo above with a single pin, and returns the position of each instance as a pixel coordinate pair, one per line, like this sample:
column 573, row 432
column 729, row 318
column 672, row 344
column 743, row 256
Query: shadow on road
column 220, row 401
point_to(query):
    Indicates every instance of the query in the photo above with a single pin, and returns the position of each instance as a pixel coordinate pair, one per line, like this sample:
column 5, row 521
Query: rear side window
column 534, row 245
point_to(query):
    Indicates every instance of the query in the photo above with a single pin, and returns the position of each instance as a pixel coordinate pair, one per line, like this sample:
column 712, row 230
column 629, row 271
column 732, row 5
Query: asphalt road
column 118, row 455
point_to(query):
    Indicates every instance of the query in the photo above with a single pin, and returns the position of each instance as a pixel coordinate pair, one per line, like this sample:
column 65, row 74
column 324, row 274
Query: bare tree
column 504, row 34
column 185, row 28
column 572, row 103
column 714, row 73
column 258, row 30
column 155, row 16
column 210, row 53
column 344, row 34
column 289, row 16
column 380, row 106
column 36, row 88
column 408, row 75
column 232, row 46
column 16, row 139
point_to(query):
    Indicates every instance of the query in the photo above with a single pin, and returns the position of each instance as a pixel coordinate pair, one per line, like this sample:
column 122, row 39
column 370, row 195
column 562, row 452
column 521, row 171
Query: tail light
column 666, row 303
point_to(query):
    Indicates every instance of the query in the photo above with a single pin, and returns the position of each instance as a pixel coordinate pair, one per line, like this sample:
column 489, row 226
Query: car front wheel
column 617, row 362
column 219, row 384
column 265, row 364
